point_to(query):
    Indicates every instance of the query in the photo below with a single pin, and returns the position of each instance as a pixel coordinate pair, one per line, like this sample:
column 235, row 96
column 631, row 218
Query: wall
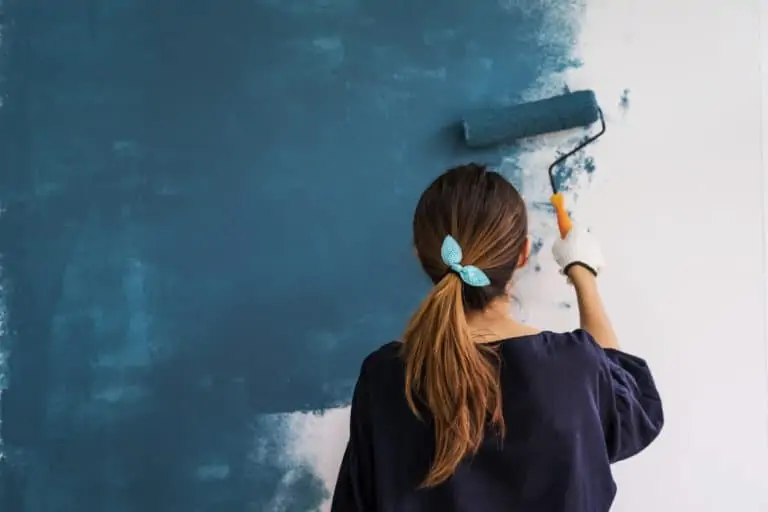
column 206, row 227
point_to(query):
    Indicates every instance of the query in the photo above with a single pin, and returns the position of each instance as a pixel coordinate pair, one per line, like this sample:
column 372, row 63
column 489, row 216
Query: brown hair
column 454, row 377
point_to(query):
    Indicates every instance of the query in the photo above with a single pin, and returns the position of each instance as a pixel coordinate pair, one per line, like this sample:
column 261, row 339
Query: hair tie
column 470, row 274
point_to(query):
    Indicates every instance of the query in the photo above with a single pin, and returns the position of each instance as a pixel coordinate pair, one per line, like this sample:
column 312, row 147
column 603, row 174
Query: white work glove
column 578, row 247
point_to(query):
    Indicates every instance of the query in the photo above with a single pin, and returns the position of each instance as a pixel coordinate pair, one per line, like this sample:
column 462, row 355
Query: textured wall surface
column 184, row 185
column 205, row 227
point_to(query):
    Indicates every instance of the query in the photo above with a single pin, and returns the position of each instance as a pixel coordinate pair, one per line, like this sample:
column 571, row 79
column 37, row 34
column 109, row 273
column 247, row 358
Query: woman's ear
column 525, row 254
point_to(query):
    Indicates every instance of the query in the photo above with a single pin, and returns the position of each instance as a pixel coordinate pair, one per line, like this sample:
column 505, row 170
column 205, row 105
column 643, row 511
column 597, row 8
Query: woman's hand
column 578, row 248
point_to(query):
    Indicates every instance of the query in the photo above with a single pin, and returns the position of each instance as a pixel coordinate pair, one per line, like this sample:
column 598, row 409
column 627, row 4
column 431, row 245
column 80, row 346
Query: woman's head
column 456, row 379
column 485, row 214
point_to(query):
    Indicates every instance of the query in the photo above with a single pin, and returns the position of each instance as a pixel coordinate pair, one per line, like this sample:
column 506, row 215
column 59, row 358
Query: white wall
column 680, row 209
column 678, row 201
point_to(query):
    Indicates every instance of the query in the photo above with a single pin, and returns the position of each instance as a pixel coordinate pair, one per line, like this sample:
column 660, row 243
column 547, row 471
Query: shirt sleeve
column 630, row 404
column 354, row 491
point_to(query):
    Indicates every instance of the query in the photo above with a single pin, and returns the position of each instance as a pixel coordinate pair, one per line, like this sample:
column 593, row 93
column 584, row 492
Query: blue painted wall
column 207, row 219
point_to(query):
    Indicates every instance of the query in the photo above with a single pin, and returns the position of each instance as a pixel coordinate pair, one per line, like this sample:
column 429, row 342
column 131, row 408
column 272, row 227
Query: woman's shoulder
column 385, row 356
column 386, row 353
column 551, row 342
column 564, row 340
column 577, row 339
column 577, row 346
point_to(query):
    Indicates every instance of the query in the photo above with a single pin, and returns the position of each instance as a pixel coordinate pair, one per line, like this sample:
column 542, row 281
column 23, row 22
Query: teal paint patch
column 182, row 184
column 566, row 64
column 578, row 164
column 542, row 206
column 536, row 245
column 624, row 100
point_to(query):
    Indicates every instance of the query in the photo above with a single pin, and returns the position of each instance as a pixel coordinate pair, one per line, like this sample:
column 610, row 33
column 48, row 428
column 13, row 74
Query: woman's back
column 446, row 421
column 570, row 407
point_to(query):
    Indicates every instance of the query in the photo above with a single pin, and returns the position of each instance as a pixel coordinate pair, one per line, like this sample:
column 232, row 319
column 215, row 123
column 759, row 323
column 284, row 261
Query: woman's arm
column 629, row 403
column 580, row 258
column 592, row 314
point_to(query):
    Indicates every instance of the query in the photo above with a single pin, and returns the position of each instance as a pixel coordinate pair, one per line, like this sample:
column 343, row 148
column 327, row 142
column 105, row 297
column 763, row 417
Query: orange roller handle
column 564, row 222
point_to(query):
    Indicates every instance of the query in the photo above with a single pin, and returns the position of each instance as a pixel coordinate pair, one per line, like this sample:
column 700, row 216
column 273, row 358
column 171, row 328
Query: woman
column 474, row 411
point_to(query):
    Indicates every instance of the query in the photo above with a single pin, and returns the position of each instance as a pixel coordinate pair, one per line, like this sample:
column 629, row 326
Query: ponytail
column 454, row 377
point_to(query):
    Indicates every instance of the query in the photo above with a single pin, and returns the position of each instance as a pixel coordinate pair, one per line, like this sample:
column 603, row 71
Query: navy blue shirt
column 571, row 409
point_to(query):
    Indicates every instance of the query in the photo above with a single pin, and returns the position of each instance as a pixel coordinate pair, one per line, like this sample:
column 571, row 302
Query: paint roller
column 492, row 127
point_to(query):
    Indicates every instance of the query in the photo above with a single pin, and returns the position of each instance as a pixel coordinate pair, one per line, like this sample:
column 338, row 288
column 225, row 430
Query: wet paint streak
column 536, row 245
column 577, row 165
column 624, row 100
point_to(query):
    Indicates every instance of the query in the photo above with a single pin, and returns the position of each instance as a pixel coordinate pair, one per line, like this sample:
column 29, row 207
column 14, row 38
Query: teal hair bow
column 470, row 274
